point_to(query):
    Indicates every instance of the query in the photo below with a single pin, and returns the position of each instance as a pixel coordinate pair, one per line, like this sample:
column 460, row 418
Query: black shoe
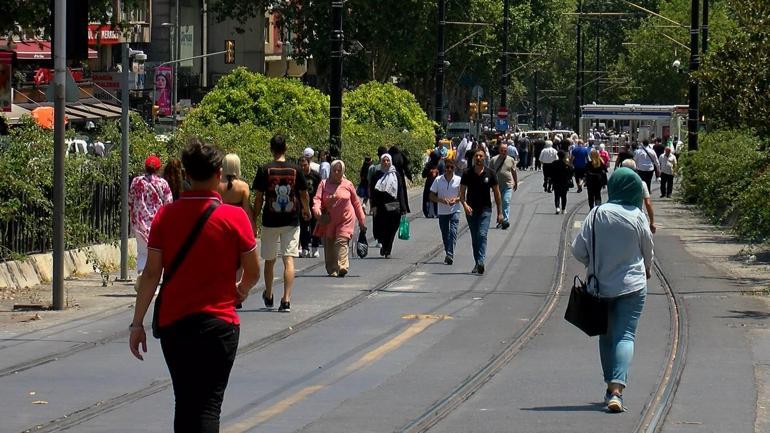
column 342, row 273
column 480, row 269
column 382, row 252
column 498, row 225
column 285, row 306
column 580, row 189
column 663, row 196
column 268, row 301
column 448, row 260
column 475, row 269
column 505, row 225
column 668, row 196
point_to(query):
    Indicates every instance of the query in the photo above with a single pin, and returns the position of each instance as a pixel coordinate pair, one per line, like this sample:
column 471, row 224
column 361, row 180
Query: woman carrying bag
column 336, row 207
column 620, row 263
column 388, row 203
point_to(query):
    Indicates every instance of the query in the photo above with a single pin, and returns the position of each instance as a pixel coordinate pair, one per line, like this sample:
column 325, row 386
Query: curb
column 38, row 268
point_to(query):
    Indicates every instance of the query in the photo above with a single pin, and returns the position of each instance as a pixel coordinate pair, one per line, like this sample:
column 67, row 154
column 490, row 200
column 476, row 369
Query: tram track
column 656, row 409
column 105, row 406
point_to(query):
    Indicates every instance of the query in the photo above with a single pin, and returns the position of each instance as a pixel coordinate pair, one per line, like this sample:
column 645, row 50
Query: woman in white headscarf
column 388, row 203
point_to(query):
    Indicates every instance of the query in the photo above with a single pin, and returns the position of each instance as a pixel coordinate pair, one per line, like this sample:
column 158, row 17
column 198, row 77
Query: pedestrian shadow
column 746, row 314
column 590, row 407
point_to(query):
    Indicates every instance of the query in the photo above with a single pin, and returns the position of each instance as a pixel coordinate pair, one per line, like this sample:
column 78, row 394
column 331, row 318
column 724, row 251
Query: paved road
column 374, row 351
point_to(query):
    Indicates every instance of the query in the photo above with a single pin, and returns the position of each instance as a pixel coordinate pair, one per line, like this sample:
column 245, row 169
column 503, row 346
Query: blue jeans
column 478, row 225
column 506, row 192
column 448, row 225
column 616, row 347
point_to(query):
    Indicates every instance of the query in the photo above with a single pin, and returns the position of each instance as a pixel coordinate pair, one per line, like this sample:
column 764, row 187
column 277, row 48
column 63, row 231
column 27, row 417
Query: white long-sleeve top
column 549, row 155
column 667, row 163
column 624, row 249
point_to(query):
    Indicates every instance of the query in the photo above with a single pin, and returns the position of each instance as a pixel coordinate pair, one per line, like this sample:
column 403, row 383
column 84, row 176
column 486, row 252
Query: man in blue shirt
column 579, row 159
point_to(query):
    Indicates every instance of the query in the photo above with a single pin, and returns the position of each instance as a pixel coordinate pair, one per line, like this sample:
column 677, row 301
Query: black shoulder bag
column 586, row 311
column 178, row 259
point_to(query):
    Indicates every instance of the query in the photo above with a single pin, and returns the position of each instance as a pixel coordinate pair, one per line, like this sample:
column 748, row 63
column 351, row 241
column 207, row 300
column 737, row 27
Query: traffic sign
column 501, row 124
column 502, row 112
column 477, row 92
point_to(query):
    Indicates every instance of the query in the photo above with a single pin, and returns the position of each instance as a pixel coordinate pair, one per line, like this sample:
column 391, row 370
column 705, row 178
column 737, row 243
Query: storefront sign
column 104, row 35
column 106, row 84
column 6, row 94
column 164, row 81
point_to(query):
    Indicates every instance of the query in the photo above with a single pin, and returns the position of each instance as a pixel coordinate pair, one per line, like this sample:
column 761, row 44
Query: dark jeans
column 199, row 351
column 560, row 194
column 478, row 226
column 646, row 177
column 594, row 196
column 547, row 181
column 306, row 238
column 666, row 184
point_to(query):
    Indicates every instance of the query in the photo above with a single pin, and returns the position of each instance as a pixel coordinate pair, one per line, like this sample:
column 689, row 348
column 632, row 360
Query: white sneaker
column 558, row 211
column 314, row 253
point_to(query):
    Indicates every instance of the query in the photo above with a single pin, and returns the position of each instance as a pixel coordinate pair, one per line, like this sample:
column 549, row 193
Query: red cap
column 152, row 162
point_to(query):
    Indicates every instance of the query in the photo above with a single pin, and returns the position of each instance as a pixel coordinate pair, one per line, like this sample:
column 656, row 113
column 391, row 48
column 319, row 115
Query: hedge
column 728, row 178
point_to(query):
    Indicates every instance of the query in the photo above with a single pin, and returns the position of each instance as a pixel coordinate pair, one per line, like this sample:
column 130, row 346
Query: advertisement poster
column 186, row 44
column 164, row 77
column 5, row 81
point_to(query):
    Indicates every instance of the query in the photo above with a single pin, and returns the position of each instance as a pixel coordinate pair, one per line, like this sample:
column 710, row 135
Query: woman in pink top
column 336, row 207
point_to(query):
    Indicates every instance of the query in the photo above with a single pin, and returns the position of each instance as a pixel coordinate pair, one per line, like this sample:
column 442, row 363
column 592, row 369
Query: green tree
column 735, row 78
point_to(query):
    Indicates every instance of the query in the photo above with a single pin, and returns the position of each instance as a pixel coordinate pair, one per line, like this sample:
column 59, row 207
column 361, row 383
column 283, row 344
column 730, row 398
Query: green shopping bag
column 403, row 228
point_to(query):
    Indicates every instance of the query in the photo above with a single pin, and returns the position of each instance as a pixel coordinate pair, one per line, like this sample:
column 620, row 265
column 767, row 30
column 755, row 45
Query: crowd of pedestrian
column 201, row 205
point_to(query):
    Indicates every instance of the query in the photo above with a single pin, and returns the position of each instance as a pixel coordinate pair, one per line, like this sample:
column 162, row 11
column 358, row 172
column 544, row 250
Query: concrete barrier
column 38, row 268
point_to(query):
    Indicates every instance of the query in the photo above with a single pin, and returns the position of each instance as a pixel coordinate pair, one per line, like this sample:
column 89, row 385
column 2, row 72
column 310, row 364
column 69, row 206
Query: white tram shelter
column 638, row 121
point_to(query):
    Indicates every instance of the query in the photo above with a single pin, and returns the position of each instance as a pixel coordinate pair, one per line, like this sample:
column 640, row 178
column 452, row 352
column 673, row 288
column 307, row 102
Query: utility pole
column 178, row 44
column 60, row 78
column 534, row 106
column 504, row 78
column 692, row 117
column 578, row 73
column 705, row 27
column 335, row 87
column 124, row 48
column 438, row 114
column 598, row 31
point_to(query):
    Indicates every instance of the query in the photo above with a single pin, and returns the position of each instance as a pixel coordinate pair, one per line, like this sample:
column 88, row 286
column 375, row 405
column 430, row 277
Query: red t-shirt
column 205, row 281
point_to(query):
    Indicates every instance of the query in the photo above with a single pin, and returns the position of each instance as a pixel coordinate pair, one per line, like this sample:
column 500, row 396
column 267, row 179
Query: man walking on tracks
column 548, row 156
column 475, row 186
column 505, row 169
column 282, row 189
column 446, row 192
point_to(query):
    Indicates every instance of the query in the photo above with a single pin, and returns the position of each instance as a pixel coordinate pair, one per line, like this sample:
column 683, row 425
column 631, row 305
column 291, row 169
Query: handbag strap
column 593, row 248
column 188, row 243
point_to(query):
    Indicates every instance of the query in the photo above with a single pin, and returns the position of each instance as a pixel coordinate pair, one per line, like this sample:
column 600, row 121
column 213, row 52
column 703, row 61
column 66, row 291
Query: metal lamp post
column 692, row 114
column 337, row 38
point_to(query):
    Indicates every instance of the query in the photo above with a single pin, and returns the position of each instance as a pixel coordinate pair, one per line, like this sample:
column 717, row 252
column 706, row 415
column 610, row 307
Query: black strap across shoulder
column 178, row 259
column 593, row 250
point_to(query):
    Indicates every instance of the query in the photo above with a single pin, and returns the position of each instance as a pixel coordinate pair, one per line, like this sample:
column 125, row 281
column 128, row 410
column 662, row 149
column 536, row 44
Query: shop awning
column 34, row 50
column 77, row 112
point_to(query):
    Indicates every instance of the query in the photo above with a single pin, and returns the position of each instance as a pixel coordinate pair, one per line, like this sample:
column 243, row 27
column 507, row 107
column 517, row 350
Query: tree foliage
column 735, row 76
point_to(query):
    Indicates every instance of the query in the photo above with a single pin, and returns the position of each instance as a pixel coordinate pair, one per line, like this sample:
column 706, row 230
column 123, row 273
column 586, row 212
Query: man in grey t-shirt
column 505, row 169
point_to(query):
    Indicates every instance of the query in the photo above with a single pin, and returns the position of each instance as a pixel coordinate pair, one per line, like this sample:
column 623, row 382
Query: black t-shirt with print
column 478, row 187
column 281, row 183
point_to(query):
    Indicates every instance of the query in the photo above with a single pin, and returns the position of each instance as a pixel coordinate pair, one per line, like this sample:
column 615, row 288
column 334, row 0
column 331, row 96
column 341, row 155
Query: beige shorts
column 287, row 236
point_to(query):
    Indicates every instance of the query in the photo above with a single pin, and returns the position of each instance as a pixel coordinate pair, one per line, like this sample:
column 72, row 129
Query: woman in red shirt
column 196, row 315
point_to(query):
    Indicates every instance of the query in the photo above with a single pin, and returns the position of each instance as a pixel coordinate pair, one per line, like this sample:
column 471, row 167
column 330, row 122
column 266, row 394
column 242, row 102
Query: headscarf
column 625, row 188
column 388, row 183
column 340, row 163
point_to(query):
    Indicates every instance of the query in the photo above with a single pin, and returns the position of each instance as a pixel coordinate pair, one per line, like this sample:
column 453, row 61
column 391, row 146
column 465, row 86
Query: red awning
column 35, row 50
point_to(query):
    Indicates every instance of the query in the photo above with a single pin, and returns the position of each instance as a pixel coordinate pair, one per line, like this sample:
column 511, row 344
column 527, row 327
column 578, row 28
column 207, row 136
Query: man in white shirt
column 667, row 163
column 646, row 163
column 462, row 149
column 445, row 191
column 548, row 156
column 308, row 154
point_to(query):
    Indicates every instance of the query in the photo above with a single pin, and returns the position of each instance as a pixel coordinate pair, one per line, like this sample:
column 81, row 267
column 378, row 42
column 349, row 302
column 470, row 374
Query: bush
column 728, row 179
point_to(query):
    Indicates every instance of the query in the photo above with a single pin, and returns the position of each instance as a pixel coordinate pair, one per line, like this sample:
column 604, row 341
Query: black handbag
column 585, row 310
column 178, row 259
column 362, row 246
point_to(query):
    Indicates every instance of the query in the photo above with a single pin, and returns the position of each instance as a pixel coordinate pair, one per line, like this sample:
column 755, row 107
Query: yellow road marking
column 391, row 345
column 424, row 321
column 426, row 316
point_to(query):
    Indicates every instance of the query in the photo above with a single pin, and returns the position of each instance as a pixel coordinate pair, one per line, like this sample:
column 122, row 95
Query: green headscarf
column 625, row 188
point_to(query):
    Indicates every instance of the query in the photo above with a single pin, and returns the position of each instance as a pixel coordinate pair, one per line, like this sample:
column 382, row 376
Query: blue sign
column 501, row 124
